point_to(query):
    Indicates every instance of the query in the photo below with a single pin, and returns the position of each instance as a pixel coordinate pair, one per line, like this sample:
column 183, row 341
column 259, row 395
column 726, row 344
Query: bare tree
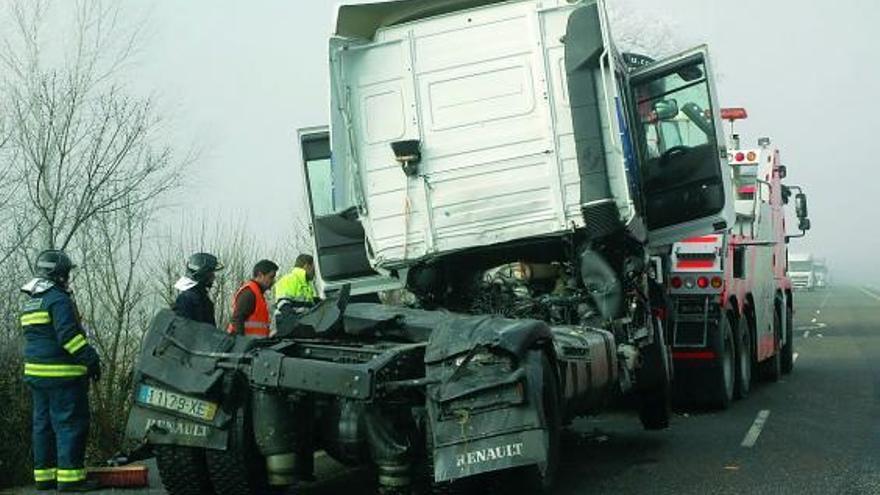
column 116, row 305
column 82, row 166
column 83, row 145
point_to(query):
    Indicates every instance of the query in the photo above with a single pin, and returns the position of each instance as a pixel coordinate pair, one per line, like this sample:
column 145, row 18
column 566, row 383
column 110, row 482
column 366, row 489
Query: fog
column 237, row 79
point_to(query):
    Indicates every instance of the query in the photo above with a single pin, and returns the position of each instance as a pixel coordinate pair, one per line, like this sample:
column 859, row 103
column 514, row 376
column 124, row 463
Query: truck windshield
column 800, row 266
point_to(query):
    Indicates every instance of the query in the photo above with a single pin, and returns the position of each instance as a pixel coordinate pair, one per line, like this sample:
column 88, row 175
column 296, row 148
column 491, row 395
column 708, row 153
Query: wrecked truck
column 498, row 163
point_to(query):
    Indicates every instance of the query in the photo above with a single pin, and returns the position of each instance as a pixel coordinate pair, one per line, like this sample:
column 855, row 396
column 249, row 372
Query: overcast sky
column 238, row 78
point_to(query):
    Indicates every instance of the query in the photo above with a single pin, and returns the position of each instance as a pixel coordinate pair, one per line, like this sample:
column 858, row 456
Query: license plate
column 179, row 403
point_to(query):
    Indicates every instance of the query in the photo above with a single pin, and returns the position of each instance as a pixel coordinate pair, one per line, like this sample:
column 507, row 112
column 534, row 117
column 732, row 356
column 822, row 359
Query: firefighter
column 296, row 287
column 193, row 302
column 58, row 362
column 250, row 313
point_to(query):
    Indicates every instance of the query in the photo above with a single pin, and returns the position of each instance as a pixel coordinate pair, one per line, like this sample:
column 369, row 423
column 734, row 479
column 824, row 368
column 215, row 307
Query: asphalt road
column 820, row 429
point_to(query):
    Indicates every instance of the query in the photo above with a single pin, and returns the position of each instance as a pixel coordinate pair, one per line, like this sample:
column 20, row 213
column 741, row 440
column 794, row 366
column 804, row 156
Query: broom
column 134, row 476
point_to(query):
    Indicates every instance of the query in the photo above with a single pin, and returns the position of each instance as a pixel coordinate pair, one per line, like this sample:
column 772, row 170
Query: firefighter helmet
column 54, row 264
column 200, row 266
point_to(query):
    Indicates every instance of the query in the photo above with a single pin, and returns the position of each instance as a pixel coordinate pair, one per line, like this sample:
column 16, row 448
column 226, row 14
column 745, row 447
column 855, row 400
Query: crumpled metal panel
column 457, row 335
column 169, row 347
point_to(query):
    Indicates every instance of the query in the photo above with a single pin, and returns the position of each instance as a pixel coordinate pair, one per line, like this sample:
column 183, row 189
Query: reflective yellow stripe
column 37, row 318
column 44, row 474
column 75, row 344
column 54, row 370
column 71, row 475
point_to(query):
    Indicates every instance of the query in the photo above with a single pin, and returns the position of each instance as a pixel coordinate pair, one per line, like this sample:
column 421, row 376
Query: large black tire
column 771, row 369
column 788, row 348
column 720, row 377
column 535, row 479
column 655, row 402
column 183, row 470
column 744, row 358
column 240, row 469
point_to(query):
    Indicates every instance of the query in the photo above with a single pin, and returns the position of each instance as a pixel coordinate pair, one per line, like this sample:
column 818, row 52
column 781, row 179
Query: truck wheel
column 744, row 355
column 788, row 348
column 537, row 480
column 183, row 470
column 655, row 408
column 240, row 469
column 655, row 402
column 720, row 377
column 771, row 369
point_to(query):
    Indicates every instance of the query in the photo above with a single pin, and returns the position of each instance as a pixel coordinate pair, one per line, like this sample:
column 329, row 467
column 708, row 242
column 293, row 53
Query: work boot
column 80, row 486
column 46, row 486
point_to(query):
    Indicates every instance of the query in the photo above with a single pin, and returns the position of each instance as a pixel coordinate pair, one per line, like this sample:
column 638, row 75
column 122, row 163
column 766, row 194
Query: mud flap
column 148, row 426
column 523, row 448
column 487, row 428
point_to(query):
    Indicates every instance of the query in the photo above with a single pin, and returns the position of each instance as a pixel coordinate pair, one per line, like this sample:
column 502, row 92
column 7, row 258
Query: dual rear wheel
column 197, row 471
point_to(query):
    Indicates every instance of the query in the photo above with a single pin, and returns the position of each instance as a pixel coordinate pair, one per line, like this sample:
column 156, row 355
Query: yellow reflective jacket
column 296, row 286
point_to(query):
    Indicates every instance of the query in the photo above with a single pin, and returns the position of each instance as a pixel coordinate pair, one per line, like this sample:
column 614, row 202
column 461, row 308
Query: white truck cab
column 461, row 124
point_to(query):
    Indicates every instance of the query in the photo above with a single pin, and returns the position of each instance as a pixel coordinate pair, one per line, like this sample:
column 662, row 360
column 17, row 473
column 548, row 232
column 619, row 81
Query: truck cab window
column 678, row 146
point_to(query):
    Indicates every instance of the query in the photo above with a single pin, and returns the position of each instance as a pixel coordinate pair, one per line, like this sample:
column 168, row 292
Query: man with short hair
column 193, row 302
column 58, row 361
column 250, row 313
column 296, row 287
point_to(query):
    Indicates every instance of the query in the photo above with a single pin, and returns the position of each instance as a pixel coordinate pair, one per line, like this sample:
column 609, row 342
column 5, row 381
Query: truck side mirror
column 666, row 109
column 800, row 205
column 783, row 171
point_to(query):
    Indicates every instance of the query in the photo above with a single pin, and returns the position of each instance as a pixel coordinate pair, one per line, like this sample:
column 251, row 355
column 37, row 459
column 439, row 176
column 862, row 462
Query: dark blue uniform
column 58, row 362
column 194, row 304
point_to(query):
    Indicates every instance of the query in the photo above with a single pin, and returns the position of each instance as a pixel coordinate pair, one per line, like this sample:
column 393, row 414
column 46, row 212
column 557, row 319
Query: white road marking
column 755, row 430
column 794, row 357
column 806, row 333
column 819, row 335
column 870, row 293
column 814, row 320
column 817, row 326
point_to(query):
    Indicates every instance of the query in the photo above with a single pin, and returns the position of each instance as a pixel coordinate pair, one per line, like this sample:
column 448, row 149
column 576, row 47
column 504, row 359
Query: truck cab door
column 685, row 177
column 337, row 234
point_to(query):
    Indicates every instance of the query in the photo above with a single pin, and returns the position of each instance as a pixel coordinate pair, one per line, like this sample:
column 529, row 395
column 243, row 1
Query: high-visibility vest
column 295, row 286
column 257, row 323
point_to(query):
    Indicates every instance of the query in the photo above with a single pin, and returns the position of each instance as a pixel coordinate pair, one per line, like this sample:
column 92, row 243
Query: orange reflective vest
column 257, row 323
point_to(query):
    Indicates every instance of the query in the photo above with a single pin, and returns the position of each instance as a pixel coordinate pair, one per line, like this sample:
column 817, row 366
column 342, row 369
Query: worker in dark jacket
column 58, row 362
column 250, row 312
column 193, row 302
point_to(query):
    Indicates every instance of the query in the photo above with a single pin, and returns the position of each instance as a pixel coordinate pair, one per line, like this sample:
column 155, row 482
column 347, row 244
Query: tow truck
column 730, row 293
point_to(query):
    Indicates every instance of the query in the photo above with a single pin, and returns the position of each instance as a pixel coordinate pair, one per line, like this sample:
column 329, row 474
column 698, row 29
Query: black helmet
column 53, row 264
column 200, row 265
